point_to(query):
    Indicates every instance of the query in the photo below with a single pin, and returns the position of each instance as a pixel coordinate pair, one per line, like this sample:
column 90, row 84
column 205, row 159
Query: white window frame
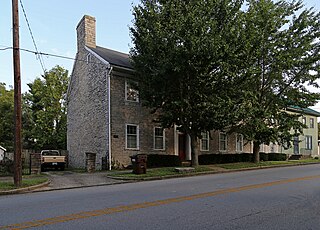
column 163, row 138
column 308, row 142
column 137, row 134
column 206, row 140
column 225, row 141
column 304, row 120
column 311, row 123
column 127, row 84
column 237, row 149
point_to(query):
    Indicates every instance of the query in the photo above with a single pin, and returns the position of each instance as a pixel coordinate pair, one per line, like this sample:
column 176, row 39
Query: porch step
column 184, row 170
column 186, row 163
column 299, row 157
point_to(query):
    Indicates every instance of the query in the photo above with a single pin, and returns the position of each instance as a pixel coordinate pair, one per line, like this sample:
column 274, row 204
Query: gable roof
column 305, row 110
column 113, row 57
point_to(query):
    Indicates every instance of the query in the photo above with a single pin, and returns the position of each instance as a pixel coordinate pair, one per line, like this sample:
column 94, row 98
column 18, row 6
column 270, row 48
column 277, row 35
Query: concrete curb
column 132, row 180
column 209, row 172
column 25, row 189
column 81, row 186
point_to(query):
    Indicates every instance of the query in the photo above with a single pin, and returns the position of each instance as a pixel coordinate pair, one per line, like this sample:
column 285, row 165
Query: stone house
column 105, row 115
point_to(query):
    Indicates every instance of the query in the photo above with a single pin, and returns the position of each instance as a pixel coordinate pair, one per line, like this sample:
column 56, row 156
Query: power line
column 53, row 55
column 7, row 48
column 33, row 40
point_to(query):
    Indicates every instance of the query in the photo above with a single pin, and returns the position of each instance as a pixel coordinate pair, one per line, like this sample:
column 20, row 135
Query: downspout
column 109, row 117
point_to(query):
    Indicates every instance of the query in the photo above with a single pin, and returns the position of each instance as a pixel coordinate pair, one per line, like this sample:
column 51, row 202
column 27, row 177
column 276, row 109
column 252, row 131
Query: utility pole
column 17, row 95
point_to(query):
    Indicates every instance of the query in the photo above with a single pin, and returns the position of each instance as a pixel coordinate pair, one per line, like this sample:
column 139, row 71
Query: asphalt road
column 278, row 198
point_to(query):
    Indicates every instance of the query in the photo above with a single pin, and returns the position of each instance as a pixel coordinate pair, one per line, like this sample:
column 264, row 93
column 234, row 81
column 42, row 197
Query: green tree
column 6, row 117
column 45, row 104
column 181, row 56
column 280, row 53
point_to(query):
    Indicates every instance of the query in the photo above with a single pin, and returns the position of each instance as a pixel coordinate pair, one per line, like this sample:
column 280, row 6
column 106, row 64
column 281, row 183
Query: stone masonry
column 88, row 104
column 87, row 101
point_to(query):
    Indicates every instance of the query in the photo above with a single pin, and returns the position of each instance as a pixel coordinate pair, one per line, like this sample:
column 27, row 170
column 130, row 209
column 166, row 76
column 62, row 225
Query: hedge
column 207, row 159
column 158, row 160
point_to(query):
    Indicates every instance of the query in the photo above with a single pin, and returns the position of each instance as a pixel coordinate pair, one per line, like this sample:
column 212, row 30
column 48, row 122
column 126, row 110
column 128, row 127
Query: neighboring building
column 306, row 144
column 105, row 115
column 2, row 151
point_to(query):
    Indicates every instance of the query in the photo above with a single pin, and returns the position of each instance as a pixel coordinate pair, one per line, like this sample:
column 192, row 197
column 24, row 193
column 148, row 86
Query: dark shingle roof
column 305, row 110
column 113, row 57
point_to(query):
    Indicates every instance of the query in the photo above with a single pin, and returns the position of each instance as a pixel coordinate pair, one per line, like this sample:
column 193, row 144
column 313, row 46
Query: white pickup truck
column 52, row 159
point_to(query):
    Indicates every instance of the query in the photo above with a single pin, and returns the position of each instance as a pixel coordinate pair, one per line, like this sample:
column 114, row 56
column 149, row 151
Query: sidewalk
column 58, row 180
column 67, row 179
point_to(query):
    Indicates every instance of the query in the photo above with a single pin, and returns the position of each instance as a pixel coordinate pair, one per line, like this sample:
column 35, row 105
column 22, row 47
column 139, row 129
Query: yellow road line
column 125, row 208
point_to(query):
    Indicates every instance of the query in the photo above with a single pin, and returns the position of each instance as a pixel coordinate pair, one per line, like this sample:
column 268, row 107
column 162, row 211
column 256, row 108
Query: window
column 132, row 137
column 159, row 138
column 311, row 125
column 239, row 144
column 131, row 92
column 308, row 140
column 204, row 144
column 304, row 120
column 273, row 148
column 222, row 141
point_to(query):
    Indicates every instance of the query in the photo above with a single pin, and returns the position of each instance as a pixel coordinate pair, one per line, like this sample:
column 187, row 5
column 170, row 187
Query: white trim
column 311, row 119
column 109, row 115
column 207, row 140
column 97, row 56
column 163, row 138
column 308, row 142
column 237, row 150
column 137, row 134
column 176, row 140
column 3, row 148
column 226, row 142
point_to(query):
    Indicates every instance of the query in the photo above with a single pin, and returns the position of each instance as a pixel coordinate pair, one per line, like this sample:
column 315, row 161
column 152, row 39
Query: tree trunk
column 194, row 150
column 256, row 150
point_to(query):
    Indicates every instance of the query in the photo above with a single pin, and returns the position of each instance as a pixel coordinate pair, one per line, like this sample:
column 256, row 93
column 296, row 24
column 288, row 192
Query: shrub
column 6, row 167
column 224, row 158
column 243, row 157
column 277, row 157
column 157, row 160
column 264, row 157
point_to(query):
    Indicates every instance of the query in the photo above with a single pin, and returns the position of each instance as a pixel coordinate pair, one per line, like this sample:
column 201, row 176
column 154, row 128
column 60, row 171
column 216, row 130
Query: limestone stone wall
column 128, row 112
column 87, row 110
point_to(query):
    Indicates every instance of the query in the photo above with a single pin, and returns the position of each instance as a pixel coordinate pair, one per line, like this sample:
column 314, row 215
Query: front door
column 182, row 147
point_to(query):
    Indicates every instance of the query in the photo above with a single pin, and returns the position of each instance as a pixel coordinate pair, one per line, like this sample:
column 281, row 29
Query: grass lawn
column 169, row 171
column 161, row 172
column 26, row 182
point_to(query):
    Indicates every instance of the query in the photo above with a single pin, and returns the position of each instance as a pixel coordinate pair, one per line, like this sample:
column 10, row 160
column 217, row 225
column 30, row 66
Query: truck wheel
column 62, row 168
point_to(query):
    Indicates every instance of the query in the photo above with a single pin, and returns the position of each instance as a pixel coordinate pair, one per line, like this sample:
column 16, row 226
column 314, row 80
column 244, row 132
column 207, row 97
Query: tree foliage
column 45, row 111
column 227, row 64
column 281, row 53
column 180, row 56
column 6, row 117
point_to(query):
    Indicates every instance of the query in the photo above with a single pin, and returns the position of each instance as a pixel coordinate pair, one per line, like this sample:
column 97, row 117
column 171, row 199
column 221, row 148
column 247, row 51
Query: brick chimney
column 86, row 32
